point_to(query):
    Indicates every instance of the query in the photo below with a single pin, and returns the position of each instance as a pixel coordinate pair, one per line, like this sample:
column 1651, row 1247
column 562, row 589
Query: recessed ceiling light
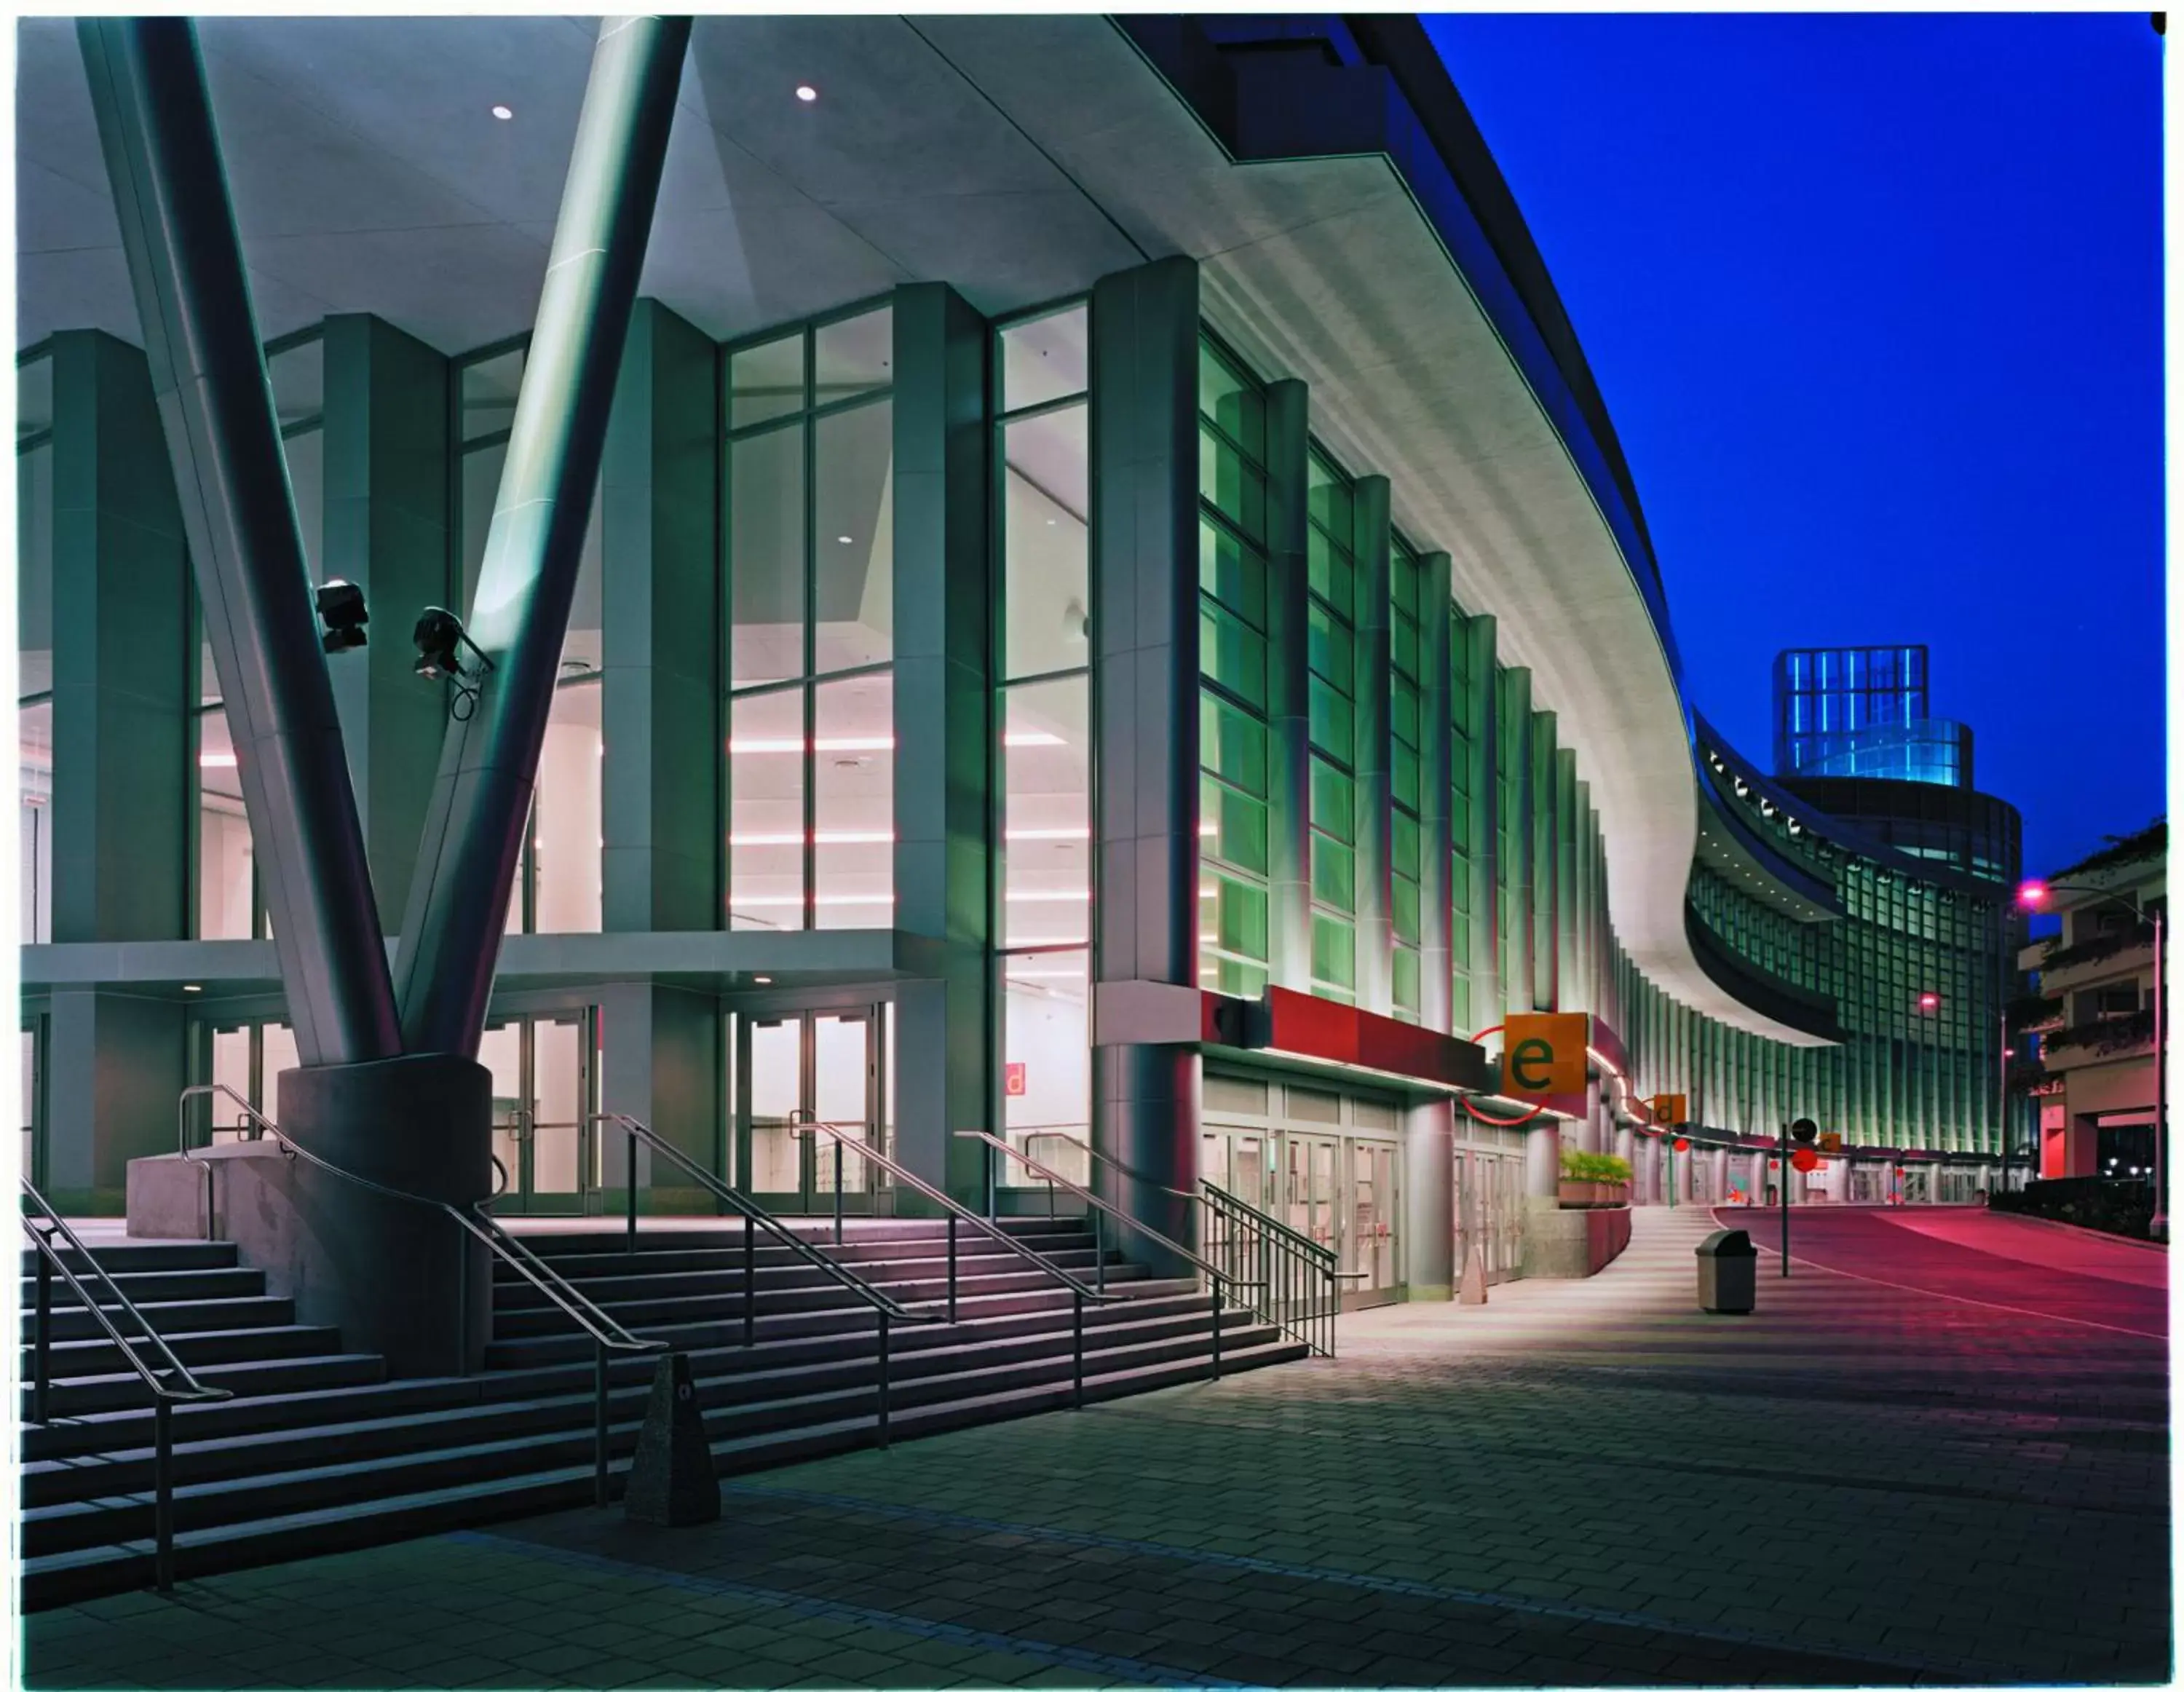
column 503, row 112
column 763, row 980
column 806, row 92
column 191, row 987
column 844, row 539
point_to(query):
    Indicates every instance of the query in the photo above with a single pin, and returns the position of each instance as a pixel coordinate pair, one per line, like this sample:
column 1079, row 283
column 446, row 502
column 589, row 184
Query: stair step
column 92, row 1393
column 165, row 1285
column 72, row 1321
column 772, row 1394
column 72, row 1358
column 85, row 1524
column 725, row 1252
column 139, row 1255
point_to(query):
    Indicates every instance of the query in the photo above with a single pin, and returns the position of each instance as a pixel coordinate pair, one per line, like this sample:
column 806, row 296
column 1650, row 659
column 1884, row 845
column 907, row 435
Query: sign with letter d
column 1543, row 1053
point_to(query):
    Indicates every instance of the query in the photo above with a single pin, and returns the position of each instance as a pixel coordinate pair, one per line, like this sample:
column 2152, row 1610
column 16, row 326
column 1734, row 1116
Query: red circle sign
column 1683, row 1144
column 1805, row 1158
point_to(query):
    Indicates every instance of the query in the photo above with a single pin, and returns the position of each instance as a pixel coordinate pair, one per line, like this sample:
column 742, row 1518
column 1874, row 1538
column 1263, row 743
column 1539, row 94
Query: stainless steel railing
column 885, row 1309
column 179, row 1386
column 956, row 1211
column 607, row 1335
column 1216, row 1279
column 1296, row 1277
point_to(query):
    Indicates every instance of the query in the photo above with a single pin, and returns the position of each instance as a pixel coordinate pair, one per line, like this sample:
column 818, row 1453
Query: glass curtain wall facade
column 557, row 883
column 1042, row 455
column 811, row 636
column 808, row 739
column 1234, row 759
column 34, row 641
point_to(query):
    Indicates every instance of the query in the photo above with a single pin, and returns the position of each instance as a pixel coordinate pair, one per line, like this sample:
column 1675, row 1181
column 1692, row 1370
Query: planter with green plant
column 1593, row 1180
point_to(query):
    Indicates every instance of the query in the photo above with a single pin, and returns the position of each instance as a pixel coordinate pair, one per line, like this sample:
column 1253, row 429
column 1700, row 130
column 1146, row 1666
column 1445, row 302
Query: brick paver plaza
column 1580, row 1483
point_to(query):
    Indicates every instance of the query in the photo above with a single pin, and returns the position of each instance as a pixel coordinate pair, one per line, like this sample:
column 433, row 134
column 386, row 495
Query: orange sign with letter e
column 1544, row 1054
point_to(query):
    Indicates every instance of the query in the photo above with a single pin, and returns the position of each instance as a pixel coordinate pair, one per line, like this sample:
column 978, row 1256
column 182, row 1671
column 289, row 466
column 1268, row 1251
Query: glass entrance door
column 1234, row 1160
column 1308, row 1195
column 543, row 1089
column 1368, row 1251
column 803, row 1066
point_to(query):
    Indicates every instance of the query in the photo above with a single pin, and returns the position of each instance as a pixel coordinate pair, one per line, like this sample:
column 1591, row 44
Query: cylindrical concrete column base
column 1145, row 1117
column 1429, row 1200
column 1543, row 1160
column 397, row 1276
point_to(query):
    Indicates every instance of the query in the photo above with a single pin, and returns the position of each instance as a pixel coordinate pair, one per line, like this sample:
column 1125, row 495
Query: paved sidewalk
column 1579, row 1484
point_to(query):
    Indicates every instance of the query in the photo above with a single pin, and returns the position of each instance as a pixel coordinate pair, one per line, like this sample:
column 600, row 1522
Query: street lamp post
column 2033, row 894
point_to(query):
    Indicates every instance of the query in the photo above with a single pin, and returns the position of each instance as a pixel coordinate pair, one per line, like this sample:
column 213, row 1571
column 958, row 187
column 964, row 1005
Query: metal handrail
column 751, row 1210
column 204, row 1089
column 1216, row 1278
column 1122, row 1168
column 165, row 1396
column 839, row 1132
column 885, row 1309
column 607, row 1335
column 1267, row 1220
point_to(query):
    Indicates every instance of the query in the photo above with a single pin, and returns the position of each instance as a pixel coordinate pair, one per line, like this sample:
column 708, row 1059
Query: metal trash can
column 1728, row 1272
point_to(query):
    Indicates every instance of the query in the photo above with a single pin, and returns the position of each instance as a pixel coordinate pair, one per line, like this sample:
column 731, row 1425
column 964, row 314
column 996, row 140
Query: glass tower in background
column 1862, row 711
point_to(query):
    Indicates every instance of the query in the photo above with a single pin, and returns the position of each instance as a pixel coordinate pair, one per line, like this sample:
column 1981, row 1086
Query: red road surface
column 2033, row 1268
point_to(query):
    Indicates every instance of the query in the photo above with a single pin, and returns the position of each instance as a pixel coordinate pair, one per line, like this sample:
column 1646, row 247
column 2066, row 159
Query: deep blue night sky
column 1875, row 304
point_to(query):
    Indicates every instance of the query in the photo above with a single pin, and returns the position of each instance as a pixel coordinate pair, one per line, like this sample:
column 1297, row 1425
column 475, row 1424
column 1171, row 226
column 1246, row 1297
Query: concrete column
column 1376, row 939
column 1651, row 1179
column 1430, row 1129
column 116, row 1064
column 1720, row 1174
column 1289, row 698
column 483, row 791
column 662, row 1063
column 122, row 746
column 1514, row 836
column 944, row 733
column 223, row 448
column 1146, row 659
column 1543, row 834
column 1543, row 1161
column 1589, row 1128
column 1573, row 988
column 387, row 515
column 1626, row 1148
column 1485, row 874
column 659, row 492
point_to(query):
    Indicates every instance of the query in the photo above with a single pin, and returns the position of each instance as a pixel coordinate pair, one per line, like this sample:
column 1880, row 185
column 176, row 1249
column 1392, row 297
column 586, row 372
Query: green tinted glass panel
column 1406, row 982
column 1403, row 647
column 1326, row 496
column 1232, row 745
column 1459, row 882
column 1232, row 654
column 1233, row 573
column 1231, row 486
column 1333, row 802
column 1239, row 917
column 1334, row 953
column 1331, row 650
column 1403, row 712
column 1405, row 581
column 1403, row 909
column 1334, row 873
column 1459, row 1004
column 1334, row 720
column 1403, row 776
column 1404, row 836
column 1239, row 824
column 1330, row 573
column 1231, row 399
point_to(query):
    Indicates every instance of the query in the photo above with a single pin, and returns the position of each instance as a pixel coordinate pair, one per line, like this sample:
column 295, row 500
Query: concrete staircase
column 319, row 1452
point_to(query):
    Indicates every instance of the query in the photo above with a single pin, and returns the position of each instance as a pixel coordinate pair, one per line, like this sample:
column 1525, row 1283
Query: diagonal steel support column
column 178, row 230
column 482, row 801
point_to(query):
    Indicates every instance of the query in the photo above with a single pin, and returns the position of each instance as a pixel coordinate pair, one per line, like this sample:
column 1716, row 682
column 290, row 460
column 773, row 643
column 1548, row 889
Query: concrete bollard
column 671, row 1482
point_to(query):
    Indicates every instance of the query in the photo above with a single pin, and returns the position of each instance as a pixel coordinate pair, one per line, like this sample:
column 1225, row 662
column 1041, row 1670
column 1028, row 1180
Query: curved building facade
column 1113, row 615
